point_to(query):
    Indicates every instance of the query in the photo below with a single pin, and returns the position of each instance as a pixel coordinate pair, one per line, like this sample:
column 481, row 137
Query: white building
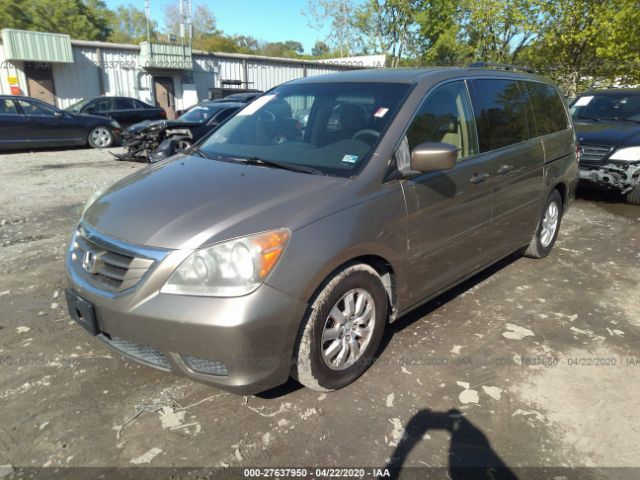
column 62, row 71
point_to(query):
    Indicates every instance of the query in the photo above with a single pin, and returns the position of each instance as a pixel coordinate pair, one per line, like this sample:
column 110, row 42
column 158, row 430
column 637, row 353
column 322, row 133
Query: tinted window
column 500, row 113
column 122, row 104
column 222, row 116
column 7, row 107
column 200, row 113
column 33, row 108
column 445, row 116
column 141, row 105
column 548, row 108
column 103, row 105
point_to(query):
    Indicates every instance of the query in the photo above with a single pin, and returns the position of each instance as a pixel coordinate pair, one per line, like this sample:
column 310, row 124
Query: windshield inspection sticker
column 381, row 112
column 583, row 101
column 350, row 159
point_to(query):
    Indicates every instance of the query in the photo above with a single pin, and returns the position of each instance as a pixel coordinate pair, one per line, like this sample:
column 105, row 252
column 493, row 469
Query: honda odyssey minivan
column 277, row 248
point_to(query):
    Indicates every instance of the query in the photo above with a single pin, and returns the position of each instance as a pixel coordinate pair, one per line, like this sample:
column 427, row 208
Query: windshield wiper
column 282, row 165
column 582, row 117
column 200, row 153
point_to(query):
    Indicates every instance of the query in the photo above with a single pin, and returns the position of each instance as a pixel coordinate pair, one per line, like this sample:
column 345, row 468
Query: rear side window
column 548, row 108
column 445, row 117
column 122, row 104
column 141, row 105
column 500, row 112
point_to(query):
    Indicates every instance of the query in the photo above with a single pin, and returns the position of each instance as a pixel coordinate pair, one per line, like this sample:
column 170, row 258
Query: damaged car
column 152, row 141
column 607, row 124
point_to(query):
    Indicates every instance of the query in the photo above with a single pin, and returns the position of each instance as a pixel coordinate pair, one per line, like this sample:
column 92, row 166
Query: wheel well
column 562, row 190
column 385, row 271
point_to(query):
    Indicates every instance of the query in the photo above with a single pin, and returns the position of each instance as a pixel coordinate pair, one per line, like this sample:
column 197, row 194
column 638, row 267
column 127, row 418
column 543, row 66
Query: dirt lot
column 533, row 363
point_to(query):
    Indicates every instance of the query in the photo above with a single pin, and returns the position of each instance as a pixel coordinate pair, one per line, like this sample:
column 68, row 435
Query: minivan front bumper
column 242, row 344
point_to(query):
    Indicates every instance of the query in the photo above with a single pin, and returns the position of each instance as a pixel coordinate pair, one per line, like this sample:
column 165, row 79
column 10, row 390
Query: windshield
column 607, row 107
column 76, row 107
column 331, row 127
column 200, row 113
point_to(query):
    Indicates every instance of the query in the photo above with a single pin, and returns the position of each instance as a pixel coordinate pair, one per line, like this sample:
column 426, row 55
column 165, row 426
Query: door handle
column 479, row 178
column 504, row 169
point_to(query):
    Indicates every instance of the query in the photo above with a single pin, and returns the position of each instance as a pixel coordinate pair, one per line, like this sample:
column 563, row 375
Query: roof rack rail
column 502, row 66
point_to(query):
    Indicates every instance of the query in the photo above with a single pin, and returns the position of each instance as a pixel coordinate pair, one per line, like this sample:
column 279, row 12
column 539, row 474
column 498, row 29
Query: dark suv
column 607, row 124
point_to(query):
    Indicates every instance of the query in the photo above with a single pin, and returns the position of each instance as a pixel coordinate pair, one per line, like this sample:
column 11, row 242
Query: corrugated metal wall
column 123, row 75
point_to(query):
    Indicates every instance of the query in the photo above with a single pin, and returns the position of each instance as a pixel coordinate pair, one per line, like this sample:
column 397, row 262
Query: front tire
column 101, row 137
column 633, row 197
column 547, row 229
column 342, row 330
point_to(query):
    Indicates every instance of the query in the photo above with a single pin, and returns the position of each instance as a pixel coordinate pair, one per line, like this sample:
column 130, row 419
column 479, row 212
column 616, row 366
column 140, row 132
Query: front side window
column 7, row 107
column 445, row 116
column 36, row 109
column 200, row 113
column 500, row 111
column 103, row 105
column 330, row 127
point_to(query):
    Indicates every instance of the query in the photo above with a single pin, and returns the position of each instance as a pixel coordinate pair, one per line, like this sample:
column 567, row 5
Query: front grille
column 106, row 266
column 594, row 154
column 148, row 355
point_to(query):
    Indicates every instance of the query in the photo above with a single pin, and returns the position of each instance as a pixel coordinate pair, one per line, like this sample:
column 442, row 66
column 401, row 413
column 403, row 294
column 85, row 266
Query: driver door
column 449, row 211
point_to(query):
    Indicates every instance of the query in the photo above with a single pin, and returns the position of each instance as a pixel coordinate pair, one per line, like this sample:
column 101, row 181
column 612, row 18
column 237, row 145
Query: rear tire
column 633, row 197
column 101, row 137
column 547, row 229
column 342, row 330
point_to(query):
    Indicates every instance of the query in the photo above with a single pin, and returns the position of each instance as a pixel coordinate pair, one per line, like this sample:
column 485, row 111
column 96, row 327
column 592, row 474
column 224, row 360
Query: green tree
column 340, row 15
column 389, row 27
column 584, row 43
column 320, row 49
column 128, row 24
column 86, row 20
column 15, row 14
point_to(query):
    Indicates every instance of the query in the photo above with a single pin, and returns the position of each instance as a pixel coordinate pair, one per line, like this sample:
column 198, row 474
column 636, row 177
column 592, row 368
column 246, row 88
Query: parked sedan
column 26, row 123
column 126, row 111
column 607, row 124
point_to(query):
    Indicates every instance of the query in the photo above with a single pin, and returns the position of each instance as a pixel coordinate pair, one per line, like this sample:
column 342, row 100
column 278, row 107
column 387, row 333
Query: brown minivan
column 284, row 242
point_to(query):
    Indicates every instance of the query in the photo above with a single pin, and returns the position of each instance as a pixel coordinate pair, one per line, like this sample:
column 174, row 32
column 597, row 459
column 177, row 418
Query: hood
column 614, row 134
column 190, row 201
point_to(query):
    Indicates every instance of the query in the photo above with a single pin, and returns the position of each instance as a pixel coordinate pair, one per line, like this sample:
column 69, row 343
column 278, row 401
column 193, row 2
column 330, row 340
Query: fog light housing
column 206, row 366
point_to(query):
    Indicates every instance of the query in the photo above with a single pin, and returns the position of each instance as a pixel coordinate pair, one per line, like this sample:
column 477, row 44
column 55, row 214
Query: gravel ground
column 532, row 363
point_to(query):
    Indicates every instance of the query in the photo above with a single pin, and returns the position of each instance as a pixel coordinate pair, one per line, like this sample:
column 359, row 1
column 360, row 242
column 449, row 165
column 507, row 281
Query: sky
column 269, row 20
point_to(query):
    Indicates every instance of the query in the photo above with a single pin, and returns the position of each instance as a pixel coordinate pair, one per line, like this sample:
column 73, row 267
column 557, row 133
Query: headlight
column 629, row 154
column 229, row 269
column 92, row 199
column 115, row 124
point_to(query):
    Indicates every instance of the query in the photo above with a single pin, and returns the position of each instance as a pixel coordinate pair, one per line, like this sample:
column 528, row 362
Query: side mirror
column 58, row 114
column 430, row 156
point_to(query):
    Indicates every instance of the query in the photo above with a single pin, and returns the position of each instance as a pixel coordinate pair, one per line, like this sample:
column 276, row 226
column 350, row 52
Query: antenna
column 146, row 17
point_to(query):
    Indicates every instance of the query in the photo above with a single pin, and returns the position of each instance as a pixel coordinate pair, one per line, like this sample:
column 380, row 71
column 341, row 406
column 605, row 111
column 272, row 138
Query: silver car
column 274, row 248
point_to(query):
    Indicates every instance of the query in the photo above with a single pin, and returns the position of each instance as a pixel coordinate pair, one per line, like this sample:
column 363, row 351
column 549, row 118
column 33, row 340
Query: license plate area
column 82, row 312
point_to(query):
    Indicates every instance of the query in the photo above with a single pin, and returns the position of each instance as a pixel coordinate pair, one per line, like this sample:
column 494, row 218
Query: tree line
column 580, row 43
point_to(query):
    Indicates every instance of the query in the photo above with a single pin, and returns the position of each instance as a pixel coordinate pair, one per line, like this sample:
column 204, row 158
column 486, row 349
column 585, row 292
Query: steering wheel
column 364, row 132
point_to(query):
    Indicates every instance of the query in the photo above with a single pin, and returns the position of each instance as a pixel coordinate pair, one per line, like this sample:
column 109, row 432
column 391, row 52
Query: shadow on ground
column 471, row 456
